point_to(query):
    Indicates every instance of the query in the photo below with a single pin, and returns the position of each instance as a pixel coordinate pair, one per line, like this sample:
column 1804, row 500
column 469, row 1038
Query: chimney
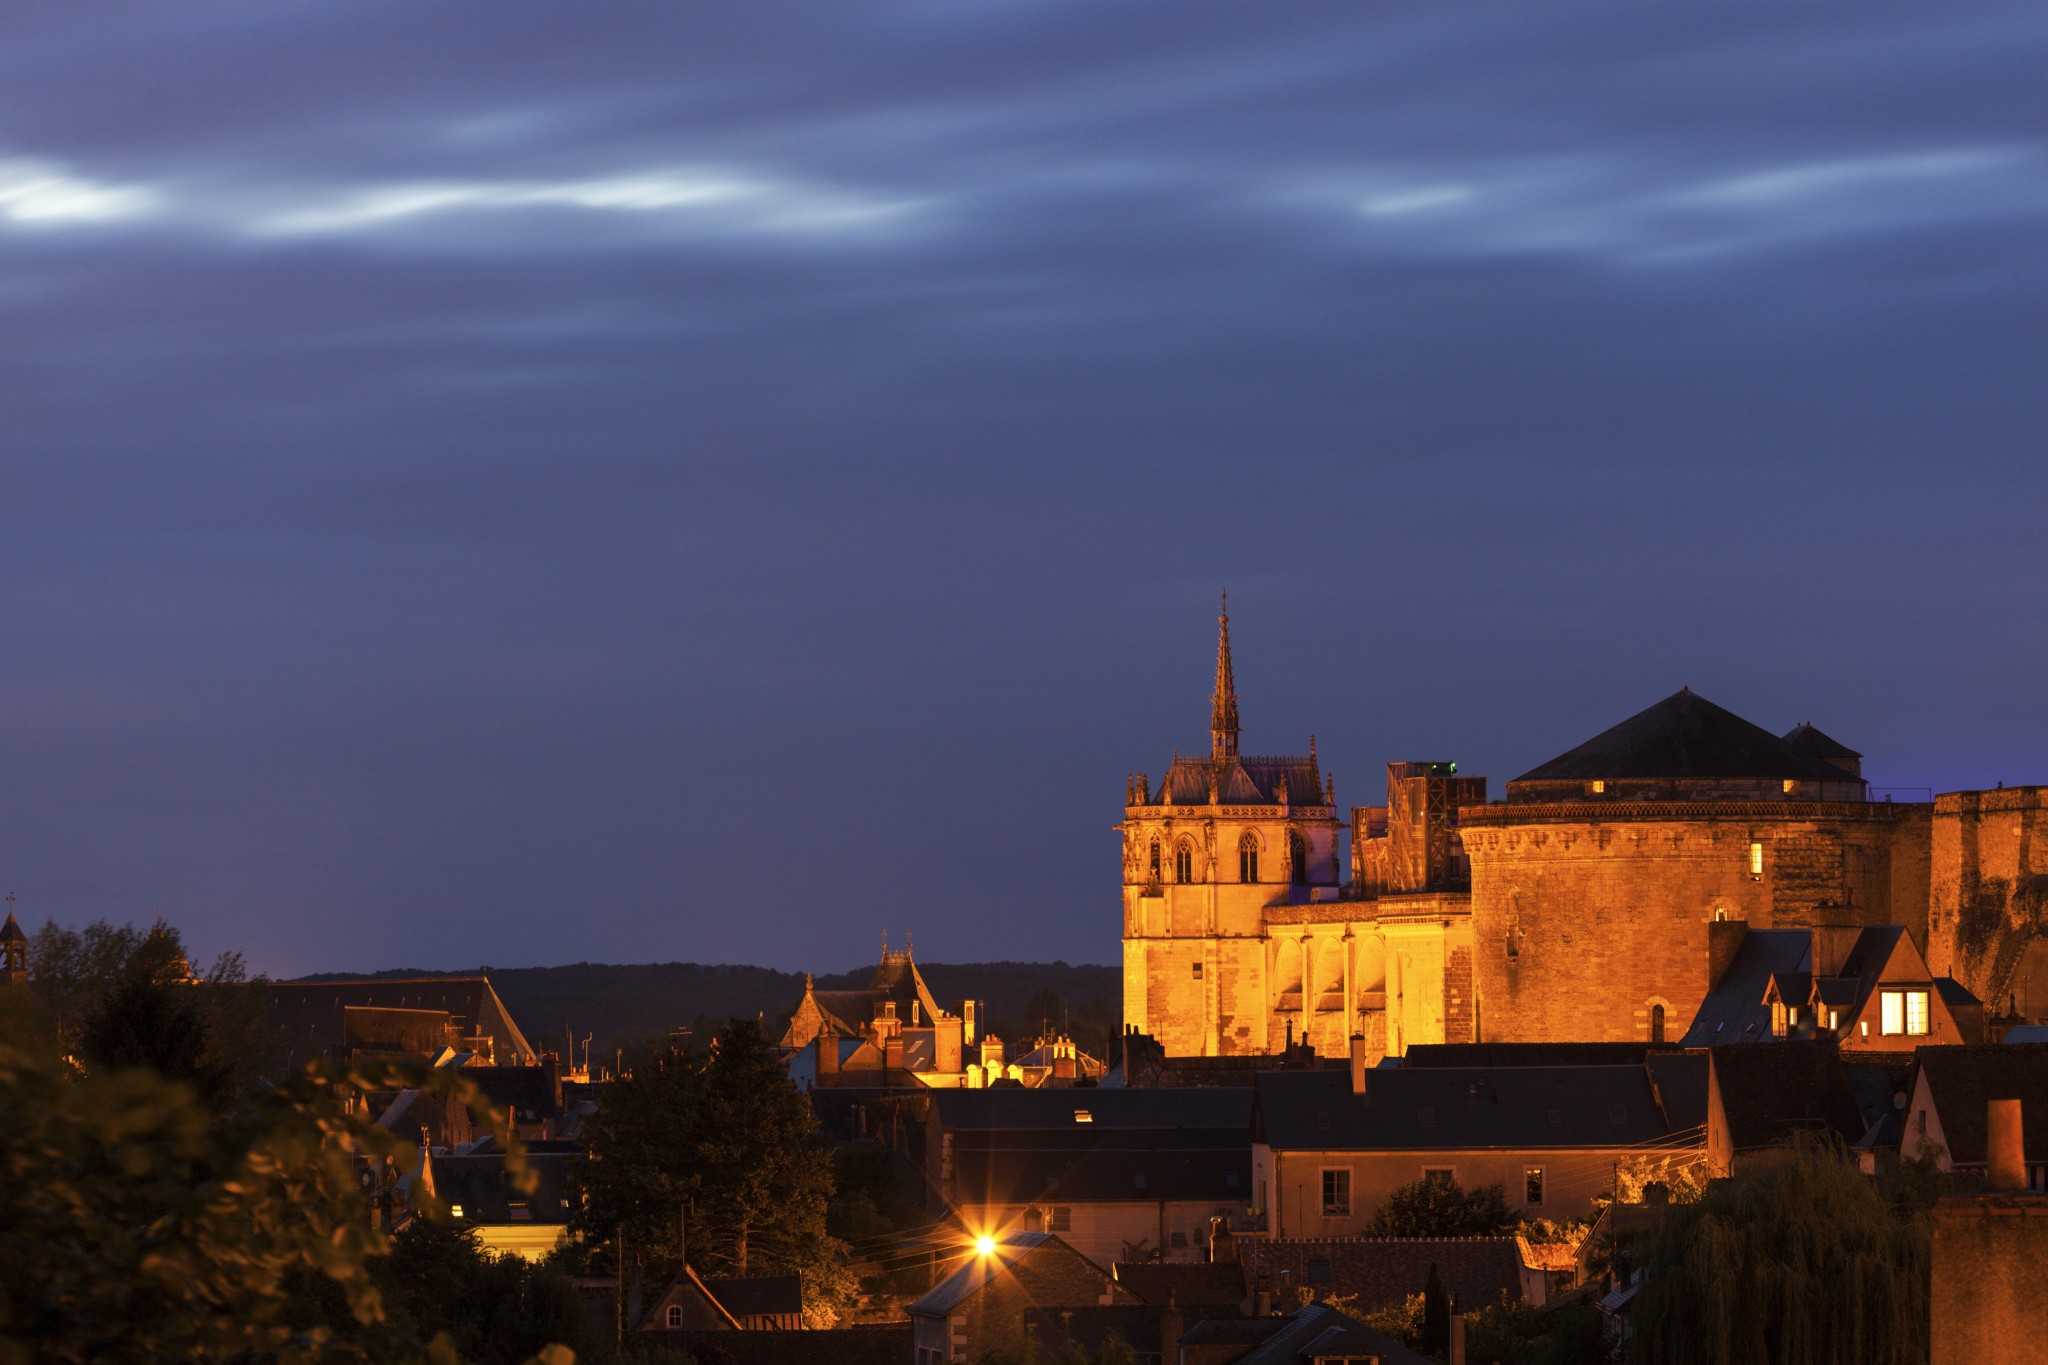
column 828, row 1056
column 1724, row 937
column 1262, row 1302
column 1171, row 1325
column 2005, row 1145
column 1358, row 1064
column 1222, row 1244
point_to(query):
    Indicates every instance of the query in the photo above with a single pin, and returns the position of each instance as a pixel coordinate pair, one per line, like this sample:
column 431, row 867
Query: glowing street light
column 985, row 1245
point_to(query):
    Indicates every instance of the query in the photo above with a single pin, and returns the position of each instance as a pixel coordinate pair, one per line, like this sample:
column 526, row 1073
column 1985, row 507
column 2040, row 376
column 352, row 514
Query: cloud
column 42, row 194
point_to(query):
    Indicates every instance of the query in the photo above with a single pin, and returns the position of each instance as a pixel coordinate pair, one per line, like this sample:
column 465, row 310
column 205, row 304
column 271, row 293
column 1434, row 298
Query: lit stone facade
column 1989, row 902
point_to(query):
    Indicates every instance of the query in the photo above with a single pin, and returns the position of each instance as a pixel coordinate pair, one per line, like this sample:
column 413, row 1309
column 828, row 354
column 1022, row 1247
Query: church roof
column 10, row 932
column 1685, row 735
column 1242, row 781
column 1808, row 738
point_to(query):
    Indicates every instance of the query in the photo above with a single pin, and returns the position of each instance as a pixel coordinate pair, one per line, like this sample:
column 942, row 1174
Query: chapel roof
column 10, row 932
column 1810, row 739
column 1685, row 735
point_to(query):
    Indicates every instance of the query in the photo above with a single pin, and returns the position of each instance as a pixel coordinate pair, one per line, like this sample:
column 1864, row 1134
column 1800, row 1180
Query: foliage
column 1115, row 1351
column 1436, row 1315
column 136, row 1225
column 717, row 1148
column 1520, row 1334
column 1438, row 1207
column 1682, row 1174
column 1402, row 1321
column 495, row 1310
column 1798, row 1259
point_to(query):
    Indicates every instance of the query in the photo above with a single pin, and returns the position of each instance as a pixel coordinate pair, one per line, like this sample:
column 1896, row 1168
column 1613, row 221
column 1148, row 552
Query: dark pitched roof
column 311, row 1015
column 1242, row 781
column 1808, row 739
column 1208, row 1288
column 1735, row 1011
column 528, row 1092
column 1528, row 1054
column 1685, row 735
column 1044, row 1267
column 1453, row 1108
column 1090, row 1327
column 1962, row 1078
column 1779, row 1087
column 484, row 1191
column 1317, row 1331
column 758, row 1295
column 10, row 932
column 1476, row 1271
column 888, row 1344
column 1106, row 1107
column 1111, row 1166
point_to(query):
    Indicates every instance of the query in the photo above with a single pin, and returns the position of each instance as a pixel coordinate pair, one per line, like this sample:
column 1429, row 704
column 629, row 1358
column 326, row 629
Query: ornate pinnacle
column 1223, row 706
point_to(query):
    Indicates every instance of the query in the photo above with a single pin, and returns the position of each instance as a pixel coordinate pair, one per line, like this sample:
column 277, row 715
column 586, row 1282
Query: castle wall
column 1585, row 916
column 1988, row 901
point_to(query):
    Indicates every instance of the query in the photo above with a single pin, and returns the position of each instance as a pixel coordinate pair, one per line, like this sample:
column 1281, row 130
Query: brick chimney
column 1358, row 1064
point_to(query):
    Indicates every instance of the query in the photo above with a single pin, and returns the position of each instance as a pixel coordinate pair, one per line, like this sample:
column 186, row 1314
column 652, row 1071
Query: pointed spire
column 1223, row 707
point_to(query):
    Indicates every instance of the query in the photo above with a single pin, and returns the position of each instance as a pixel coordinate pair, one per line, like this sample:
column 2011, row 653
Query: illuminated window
column 1916, row 1012
column 1532, row 1186
column 1297, row 860
column 1756, row 860
column 1184, row 863
column 1598, row 786
column 455, row 1210
column 1336, row 1194
column 1789, row 784
column 1778, row 1018
column 1155, row 860
column 675, row 1315
column 1083, row 1116
column 1891, row 1012
column 1248, row 859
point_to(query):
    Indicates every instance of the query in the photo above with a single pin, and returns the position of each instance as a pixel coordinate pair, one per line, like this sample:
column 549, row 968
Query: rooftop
column 1685, row 735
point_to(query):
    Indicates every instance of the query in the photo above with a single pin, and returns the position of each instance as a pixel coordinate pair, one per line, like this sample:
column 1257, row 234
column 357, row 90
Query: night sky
column 522, row 483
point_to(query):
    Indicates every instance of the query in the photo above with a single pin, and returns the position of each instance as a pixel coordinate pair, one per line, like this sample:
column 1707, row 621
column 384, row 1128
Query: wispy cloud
column 38, row 193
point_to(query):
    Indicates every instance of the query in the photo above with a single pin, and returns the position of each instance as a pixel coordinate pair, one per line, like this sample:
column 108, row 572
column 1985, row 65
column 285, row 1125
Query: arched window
column 1248, row 859
column 1184, row 863
column 1155, row 860
column 675, row 1315
column 1656, row 1023
column 1297, row 859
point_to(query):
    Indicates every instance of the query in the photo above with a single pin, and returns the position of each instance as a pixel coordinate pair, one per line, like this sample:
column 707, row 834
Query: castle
column 1578, row 907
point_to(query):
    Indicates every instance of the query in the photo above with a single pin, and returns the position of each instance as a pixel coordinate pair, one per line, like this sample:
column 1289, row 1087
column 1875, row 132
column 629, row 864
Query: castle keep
column 1578, row 907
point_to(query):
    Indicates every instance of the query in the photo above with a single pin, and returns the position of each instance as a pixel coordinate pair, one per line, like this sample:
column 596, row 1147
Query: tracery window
column 1248, row 859
column 1155, row 860
column 1297, row 859
column 1184, row 863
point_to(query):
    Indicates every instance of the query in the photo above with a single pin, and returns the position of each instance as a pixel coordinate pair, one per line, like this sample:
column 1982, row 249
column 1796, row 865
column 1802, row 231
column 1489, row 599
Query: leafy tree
column 1519, row 1333
column 137, row 1226
column 716, row 1146
column 1436, row 1315
column 1800, row 1259
column 1438, row 1207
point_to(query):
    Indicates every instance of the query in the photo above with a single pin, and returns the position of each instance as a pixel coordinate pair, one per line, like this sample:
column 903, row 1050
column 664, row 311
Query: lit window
column 1599, row 787
column 455, row 1210
column 1916, row 1012
column 1336, row 1194
column 1891, row 1007
column 1756, row 860
column 1778, row 1018
column 1532, row 1186
column 1184, row 863
column 1248, row 859
column 1083, row 1116
column 1789, row 784
column 675, row 1315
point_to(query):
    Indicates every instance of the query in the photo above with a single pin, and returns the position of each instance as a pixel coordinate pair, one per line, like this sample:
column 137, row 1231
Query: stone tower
column 1206, row 852
column 13, row 953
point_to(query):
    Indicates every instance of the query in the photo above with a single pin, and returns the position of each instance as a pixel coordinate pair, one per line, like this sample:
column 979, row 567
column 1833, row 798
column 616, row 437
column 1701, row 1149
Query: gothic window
column 1155, row 860
column 1656, row 1024
column 1297, row 859
column 1248, row 859
column 1184, row 863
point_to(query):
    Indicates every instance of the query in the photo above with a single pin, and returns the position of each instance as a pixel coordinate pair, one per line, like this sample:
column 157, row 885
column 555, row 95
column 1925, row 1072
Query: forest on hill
column 627, row 1005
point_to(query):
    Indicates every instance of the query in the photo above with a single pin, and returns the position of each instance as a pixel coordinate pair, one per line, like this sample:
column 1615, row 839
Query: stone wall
column 1989, row 1279
column 1988, row 900
column 1585, row 916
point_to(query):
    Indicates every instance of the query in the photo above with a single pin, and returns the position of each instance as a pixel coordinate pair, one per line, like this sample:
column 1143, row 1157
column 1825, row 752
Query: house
column 480, row 1196
column 1121, row 1175
column 1312, row 1335
column 985, row 1302
column 530, row 1096
column 1945, row 1114
column 1328, row 1147
column 1380, row 1272
column 1203, row 1289
column 395, row 1017
column 1767, row 1094
column 755, row 1303
column 1866, row 986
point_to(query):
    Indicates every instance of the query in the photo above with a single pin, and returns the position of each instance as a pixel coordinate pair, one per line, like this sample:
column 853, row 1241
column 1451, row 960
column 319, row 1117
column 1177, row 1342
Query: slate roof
column 1962, row 1078
column 1476, row 1271
column 480, row 1185
column 1525, row 1108
column 1735, row 1010
column 1300, row 1336
column 10, row 932
column 1527, row 1054
column 1188, row 1107
column 1090, row 1327
column 1241, row 781
column 1111, row 1166
column 1015, row 1255
column 1809, row 739
column 1776, row 1088
column 753, row 1296
column 310, row 1015
column 888, row 1344
column 1205, row 1287
column 1685, row 735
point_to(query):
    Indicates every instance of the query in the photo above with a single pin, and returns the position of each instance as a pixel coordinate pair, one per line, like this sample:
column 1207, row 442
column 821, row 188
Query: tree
column 717, row 1147
column 138, row 1226
column 1436, row 1206
column 1436, row 1315
column 1801, row 1259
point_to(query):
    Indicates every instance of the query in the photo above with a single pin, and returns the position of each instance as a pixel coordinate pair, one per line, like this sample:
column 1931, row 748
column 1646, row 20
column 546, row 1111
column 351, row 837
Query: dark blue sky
column 521, row 483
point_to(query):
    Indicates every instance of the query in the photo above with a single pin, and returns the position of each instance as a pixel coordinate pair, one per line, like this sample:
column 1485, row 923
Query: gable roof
column 312, row 1016
column 1241, row 781
column 1106, row 1107
column 1962, row 1078
column 10, row 932
column 1051, row 1272
column 1527, row 1108
column 1776, row 1088
column 1197, row 1287
column 1476, row 1271
column 1685, row 735
column 752, row 1296
column 1317, row 1331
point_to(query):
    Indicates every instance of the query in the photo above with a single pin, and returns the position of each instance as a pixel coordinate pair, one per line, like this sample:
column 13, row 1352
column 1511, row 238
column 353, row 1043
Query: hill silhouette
column 621, row 1005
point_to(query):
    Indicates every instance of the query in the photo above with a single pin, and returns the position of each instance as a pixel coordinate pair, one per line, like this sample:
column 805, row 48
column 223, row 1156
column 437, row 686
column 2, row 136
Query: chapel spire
column 1223, row 708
